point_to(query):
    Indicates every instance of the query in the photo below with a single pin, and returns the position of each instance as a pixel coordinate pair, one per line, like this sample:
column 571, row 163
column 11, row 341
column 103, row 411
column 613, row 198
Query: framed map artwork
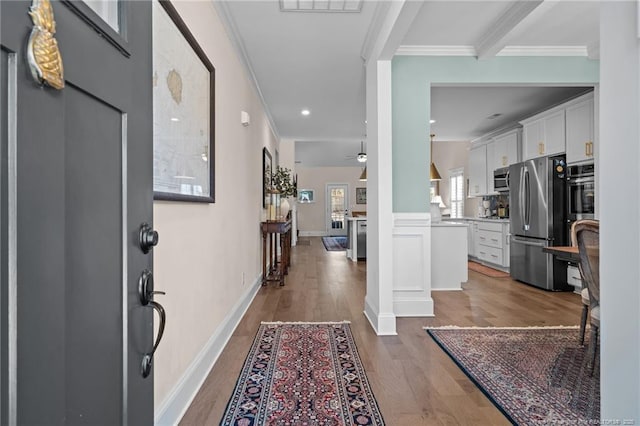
column 183, row 111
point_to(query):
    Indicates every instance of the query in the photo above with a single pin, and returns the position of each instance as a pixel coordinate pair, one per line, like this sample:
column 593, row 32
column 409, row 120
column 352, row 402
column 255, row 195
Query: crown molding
column 407, row 50
column 224, row 12
column 543, row 51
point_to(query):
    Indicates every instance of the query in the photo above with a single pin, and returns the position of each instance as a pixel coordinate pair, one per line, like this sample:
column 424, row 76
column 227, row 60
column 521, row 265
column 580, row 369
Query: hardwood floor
column 414, row 381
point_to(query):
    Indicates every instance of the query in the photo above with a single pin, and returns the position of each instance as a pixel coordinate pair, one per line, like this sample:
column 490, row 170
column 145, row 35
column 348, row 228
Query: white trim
column 496, row 37
column 414, row 50
column 411, row 272
column 419, row 307
column 12, row 237
column 125, row 269
column 224, row 12
column 409, row 50
column 328, row 221
column 544, row 51
column 313, row 234
column 411, row 220
column 382, row 8
column 171, row 410
column 383, row 324
column 447, row 289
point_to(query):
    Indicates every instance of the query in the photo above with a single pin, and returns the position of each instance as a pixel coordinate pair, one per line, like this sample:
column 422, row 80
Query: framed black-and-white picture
column 267, row 170
column 183, row 111
column 306, row 196
column 361, row 195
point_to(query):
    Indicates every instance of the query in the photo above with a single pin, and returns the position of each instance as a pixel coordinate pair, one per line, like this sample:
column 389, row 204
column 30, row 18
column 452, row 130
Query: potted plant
column 281, row 180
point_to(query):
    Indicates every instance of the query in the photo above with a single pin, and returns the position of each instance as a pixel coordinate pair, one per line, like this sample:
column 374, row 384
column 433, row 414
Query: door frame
column 327, row 204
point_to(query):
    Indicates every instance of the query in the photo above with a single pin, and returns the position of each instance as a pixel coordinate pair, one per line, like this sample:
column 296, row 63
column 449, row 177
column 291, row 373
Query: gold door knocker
column 43, row 53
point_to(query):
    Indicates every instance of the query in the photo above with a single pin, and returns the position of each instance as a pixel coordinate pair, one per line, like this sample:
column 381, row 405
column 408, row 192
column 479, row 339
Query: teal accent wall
column 412, row 77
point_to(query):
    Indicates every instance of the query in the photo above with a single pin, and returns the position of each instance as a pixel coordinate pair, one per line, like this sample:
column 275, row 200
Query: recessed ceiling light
column 305, row 112
column 175, row 119
column 432, row 121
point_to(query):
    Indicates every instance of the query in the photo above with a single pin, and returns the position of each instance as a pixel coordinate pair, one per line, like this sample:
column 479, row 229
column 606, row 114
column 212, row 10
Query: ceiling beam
column 393, row 22
column 495, row 39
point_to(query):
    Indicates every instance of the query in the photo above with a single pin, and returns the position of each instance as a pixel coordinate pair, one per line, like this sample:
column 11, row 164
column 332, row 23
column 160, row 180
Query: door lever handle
column 147, row 359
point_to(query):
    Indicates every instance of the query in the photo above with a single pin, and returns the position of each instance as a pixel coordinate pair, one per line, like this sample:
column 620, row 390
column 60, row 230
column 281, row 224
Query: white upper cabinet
column 580, row 140
column 506, row 149
column 544, row 134
column 478, row 171
column 491, row 166
column 486, row 155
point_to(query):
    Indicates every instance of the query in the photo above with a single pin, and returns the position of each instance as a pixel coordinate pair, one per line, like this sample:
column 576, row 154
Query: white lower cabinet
column 490, row 242
column 574, row 279
column 472, row 230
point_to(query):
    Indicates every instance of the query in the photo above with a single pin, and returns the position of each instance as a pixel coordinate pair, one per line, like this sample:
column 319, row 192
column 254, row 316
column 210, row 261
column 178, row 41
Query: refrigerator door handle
column 527, row 198
column 521, row 197
column 528, row 243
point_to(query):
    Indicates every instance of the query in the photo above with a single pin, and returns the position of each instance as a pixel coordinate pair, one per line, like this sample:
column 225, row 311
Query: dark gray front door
column 75, row 185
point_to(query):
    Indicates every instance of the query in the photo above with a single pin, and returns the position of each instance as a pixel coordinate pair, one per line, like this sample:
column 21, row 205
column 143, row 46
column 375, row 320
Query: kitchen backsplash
column 495, row 202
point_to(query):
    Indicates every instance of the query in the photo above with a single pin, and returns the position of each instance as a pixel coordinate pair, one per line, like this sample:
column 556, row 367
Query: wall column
column 619, row 211
column 379, row 298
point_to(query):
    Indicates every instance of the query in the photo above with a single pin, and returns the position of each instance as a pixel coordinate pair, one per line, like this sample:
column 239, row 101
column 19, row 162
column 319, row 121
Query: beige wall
column 311, row 216
column 453, row 155
column 206, row 250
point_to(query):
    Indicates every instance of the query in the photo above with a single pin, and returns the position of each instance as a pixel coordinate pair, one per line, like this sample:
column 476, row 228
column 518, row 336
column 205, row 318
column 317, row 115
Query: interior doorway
column 337, row 202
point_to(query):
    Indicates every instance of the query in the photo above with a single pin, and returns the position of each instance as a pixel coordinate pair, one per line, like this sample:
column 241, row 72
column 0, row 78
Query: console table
column 272, row 232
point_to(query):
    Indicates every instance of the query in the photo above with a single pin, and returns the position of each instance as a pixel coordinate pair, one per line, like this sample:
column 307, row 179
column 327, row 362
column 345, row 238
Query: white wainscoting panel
column 412, row 265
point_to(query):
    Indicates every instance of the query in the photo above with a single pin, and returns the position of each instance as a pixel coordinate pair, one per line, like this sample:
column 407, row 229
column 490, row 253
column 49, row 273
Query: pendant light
column 433, row 171
column 363, row 175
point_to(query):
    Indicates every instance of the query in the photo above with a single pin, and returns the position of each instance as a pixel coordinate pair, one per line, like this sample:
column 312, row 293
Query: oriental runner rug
column 335, row 243
column 535, row 375
column 303, row 374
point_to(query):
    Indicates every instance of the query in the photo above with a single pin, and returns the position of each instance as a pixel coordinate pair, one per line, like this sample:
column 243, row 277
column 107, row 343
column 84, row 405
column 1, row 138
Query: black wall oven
column 582, row 192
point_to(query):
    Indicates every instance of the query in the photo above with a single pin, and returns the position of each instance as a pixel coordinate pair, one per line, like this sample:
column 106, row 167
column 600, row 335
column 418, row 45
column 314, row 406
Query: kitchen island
column 356, row 238
column 448, row 255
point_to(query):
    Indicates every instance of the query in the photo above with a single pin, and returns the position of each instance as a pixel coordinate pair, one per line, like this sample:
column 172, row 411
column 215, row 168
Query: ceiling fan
column 360, row 156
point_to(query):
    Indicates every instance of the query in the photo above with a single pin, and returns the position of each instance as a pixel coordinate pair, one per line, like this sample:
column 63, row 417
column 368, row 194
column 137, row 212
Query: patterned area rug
column 303, row 374
column 535, row 376
column 335, row 243
column 485, row 270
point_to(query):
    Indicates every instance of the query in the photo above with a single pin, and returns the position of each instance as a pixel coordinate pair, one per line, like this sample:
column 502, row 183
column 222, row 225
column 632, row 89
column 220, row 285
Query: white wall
column 206, row 251
column 312, row 216
column 620, row 210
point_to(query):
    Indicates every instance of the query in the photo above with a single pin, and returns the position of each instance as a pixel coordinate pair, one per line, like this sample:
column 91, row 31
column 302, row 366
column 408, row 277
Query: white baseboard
column 447, row 289
column 313, row 233
column 171, row 410
column 383, row 324
column 413, row 307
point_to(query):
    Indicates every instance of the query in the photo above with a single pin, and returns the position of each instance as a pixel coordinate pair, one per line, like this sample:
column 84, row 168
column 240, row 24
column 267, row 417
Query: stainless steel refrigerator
column 537, row 193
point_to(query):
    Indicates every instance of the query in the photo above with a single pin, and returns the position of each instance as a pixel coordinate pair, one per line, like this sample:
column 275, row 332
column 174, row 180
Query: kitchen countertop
column 356, row 218
column 449, row 224
column 478, row 219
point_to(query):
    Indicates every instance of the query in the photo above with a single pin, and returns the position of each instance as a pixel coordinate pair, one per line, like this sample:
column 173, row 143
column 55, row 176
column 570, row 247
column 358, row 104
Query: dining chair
column 588, row 239
column 584, row 292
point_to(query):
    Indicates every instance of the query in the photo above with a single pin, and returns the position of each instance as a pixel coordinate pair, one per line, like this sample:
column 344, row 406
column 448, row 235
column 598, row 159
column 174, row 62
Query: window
column 456, row 188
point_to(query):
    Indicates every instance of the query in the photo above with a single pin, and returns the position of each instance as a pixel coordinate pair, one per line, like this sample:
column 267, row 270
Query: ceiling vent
column 348, row 6
column 493, row 116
